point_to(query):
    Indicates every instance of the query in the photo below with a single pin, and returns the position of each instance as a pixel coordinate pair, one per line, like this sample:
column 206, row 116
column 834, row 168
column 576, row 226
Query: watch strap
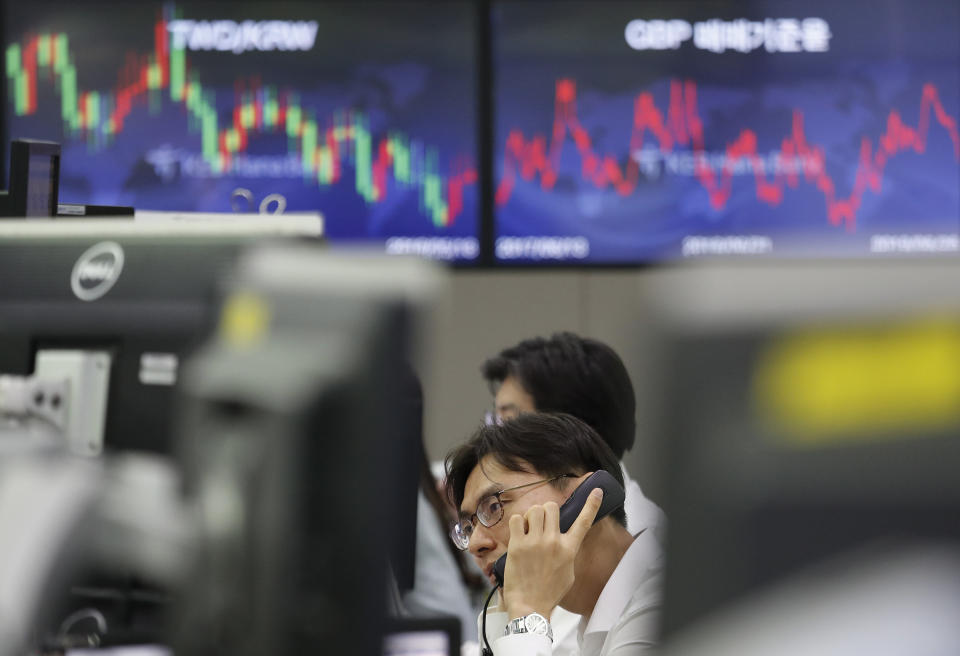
column 529, row 624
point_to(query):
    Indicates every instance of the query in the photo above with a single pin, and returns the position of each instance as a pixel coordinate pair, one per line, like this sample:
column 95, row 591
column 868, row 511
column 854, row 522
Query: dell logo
column 97, row 270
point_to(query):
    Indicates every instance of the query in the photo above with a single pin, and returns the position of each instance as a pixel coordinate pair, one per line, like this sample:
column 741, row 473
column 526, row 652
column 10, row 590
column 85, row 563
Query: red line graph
column 682, row 126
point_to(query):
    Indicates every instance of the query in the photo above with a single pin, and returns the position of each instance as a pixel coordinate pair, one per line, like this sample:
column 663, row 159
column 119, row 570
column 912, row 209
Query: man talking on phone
column 509, row 483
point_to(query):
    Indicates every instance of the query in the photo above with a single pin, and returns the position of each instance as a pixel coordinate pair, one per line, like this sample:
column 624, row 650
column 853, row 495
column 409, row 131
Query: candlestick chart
column 358, row 134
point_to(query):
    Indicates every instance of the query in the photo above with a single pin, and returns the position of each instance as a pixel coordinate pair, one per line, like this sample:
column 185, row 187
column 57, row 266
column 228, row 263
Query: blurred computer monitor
column 293, row 421
column 143, row 294
column 113, row 309
column 806, row 411
column 422, row 637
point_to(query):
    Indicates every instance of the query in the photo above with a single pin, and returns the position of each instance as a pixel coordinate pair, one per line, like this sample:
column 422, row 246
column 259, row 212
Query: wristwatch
column 533, row 623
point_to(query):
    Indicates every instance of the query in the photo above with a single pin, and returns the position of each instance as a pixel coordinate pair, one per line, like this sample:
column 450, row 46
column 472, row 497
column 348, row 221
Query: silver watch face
column 536, row 623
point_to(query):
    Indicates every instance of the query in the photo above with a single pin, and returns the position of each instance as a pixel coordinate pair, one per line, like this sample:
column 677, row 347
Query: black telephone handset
column 613, row 498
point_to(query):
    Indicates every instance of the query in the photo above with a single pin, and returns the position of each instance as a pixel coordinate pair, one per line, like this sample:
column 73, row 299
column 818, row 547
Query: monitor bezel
column 21, row 151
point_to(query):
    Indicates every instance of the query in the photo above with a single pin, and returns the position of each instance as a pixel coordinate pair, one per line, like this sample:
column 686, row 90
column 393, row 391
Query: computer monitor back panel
column 146, row 301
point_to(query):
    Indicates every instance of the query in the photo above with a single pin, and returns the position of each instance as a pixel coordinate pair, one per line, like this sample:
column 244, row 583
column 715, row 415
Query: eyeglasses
column 489, row 513
column 492, row 419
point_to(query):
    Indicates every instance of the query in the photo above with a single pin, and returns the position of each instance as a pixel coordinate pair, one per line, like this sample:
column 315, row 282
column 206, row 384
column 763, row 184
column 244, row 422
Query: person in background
column 587, row 379
column 442, row 580
column 582, row 377
column 508, row 482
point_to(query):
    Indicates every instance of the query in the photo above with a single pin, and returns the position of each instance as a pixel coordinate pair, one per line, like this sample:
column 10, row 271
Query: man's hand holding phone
column 540, row 565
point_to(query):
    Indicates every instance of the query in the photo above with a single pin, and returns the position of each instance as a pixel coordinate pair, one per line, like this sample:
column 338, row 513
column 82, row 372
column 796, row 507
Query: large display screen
column 364, row 111
column 647, row 131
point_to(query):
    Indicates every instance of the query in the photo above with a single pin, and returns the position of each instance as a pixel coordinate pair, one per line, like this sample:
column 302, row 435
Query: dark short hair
column 550, row 443
column 577, row 375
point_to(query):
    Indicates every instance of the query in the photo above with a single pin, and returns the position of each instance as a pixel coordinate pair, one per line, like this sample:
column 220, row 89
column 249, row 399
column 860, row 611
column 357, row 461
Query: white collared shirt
column 643, row 515
column 624, row 620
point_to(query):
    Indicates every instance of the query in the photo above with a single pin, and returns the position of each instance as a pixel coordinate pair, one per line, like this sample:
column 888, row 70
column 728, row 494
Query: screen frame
column 485, row 78
column 21, row 153
column 479, row 12
column 448, row 625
